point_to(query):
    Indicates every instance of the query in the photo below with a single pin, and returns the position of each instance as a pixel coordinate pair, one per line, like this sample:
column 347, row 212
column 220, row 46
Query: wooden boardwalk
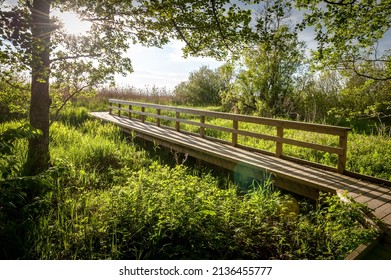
column 301, row 179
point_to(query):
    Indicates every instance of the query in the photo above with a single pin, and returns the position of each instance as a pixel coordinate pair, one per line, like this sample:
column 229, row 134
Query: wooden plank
column 368, row 178
column 309, row 163
column 383, row 211
column 319, row 147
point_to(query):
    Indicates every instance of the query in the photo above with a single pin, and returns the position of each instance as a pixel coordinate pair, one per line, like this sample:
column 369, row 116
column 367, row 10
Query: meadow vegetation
column 106, row 198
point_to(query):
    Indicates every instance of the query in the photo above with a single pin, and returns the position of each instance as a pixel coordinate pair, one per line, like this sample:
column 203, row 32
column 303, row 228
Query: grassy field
column 106, row 198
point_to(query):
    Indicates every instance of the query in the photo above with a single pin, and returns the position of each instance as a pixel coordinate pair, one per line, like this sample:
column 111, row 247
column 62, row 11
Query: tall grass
column 112, row 202
column 100, row 101
column 105, row 198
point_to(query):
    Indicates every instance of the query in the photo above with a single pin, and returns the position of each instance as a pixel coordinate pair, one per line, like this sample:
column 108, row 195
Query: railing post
column 280, row 135
column 177, row 123
column 119, row 109
column 158, row 118
column 343, row 143
column 130, row 113
column 202, row 129
column 110, row 109
column 235, row 126
column 142, row 115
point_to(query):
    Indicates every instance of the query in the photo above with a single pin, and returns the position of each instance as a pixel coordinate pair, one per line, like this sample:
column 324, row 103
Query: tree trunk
column 38, row 151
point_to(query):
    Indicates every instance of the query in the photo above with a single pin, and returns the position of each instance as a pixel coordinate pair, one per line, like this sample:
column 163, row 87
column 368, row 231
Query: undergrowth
column 104, row 198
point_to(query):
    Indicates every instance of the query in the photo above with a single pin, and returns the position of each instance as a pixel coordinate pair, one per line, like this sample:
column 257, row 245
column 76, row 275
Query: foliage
column 9, row 164
column 31, row 40
column 349, row 35
column 20, row 198
column 370, row 154
column 110, row 201
column 316, row 95
column 13, row 96
column 364, row 99
column 266, row 83
column 163, row 213
column 202, row 88
column 105, row 199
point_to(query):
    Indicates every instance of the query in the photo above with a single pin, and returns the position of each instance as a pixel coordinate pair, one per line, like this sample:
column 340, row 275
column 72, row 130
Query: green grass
column 105, row 198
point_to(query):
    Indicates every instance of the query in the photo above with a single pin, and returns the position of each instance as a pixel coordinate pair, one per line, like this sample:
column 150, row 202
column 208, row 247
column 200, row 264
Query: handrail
column 279, row 139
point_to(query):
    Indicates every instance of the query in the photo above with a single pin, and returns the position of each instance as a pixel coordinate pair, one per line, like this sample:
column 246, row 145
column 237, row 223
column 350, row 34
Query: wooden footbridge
column 195, row 132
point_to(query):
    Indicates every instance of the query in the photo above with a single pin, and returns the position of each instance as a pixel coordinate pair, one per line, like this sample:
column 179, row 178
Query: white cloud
column 165, row 67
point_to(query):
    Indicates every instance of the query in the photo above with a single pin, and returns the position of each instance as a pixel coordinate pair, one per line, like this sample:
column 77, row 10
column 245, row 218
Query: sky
column 163, row 67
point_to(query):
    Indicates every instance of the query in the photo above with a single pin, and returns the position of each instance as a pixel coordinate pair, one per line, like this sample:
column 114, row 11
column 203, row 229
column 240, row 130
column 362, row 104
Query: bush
column 202, row 88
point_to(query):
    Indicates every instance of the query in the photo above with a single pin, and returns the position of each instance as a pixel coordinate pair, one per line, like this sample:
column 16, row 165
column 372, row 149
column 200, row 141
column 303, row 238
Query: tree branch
column 73, row 57
column 183, row 36
column 355, row 70
column 219, row 25
column 370, row 76
column 16, row 86
column 55, row 118
column 340, row 3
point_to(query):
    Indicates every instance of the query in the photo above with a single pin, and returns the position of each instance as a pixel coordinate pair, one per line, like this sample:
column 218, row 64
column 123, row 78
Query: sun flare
column 73, row 24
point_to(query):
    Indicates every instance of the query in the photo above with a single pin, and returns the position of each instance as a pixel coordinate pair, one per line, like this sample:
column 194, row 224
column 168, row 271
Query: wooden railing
column 279, row 139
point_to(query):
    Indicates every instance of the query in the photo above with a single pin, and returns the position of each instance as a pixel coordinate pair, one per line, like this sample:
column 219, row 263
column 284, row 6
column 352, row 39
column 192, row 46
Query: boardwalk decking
column 304, row 180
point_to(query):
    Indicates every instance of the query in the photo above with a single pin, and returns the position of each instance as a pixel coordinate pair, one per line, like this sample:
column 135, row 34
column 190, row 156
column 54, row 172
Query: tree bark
column 38, row 150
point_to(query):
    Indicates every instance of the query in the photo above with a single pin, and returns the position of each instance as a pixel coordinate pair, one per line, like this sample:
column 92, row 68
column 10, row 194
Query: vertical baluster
column 177, row 122
column 142, row 114
column 202, row 129
column 158, row 117
column 280, row 135
column 235, row 126
column 343, row 143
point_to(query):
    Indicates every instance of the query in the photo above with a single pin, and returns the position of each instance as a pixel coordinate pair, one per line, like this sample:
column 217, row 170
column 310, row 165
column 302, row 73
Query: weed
column 105, row 199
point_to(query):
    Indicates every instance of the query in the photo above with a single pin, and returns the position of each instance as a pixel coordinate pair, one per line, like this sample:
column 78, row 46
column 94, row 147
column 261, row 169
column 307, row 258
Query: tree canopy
column 350, row 35
column 266, row 79
column 33, row 40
